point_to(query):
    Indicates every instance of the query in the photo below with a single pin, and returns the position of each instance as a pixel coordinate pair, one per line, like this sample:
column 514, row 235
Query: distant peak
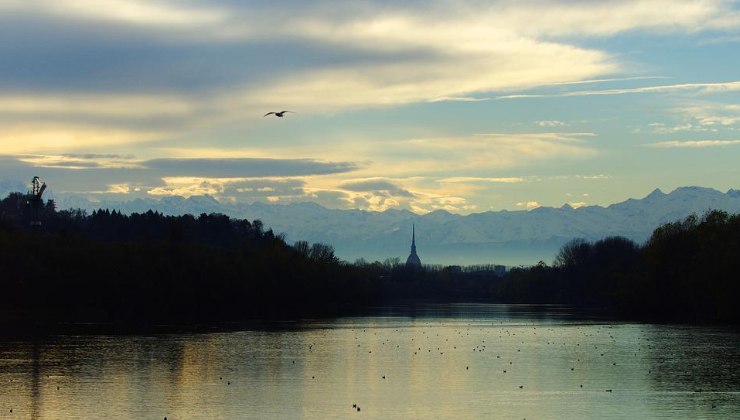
column 172, row 199
column 439, row 214
column 566, row 206
column 306, row 205
column 202, row 198
column 656, row 193
column 695, row 189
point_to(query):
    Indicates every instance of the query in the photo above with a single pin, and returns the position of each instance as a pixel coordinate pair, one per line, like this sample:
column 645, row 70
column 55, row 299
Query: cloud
column 73, row 175
column 63, row 122
column 458, row 99
column 134, row 71
column 697, row 88
column 595, row 18
column 246, row 179
column 50, row 137
column 374, row 194
column 119, row 106
column 660, row 128
column 244, row 167
column 159, row 15
column 186, row 187
column 529, row 205
column 692, row 144
column 447, row 201
column 363, row 200
column 361, row 55
column 234, row 189
column 377, row 186
column 433, row 74
column 118, row 189
column 712, row 115
column 369, row 23
column 551, row 123
column 95, row 156
column 465, row 179
column 256, row 189
column 599, row 81
column 227, row 168
column 329, row 198
column 80, row 161
column 704, row 116
column 489, row 151
column 590, row 177
column 378, row 194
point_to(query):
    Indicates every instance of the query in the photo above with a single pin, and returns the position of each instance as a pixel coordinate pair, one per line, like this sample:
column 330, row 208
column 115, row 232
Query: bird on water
column 280, row 114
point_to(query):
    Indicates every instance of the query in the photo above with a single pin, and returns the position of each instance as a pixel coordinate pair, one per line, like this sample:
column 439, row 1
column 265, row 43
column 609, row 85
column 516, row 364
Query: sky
column 464, row 106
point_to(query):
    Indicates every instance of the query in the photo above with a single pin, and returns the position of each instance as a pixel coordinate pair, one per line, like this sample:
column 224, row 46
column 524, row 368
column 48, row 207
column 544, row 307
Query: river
column 426, row 362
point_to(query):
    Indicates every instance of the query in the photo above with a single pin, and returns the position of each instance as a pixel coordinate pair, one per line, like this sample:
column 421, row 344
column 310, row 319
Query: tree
column 302, row 247
column 391, row 263
column 573, row 254
column 323, row 253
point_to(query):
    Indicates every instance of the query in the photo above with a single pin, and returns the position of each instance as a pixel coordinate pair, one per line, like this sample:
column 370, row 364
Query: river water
column 430, row 361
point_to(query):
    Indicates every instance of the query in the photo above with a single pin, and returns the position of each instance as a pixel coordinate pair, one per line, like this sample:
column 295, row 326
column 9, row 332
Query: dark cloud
column 74, row 164
column 74, row 177
column 83, row 176
column 206, row 168
column 377, row 187
column 64, row 55
column 61, row 55
column 245, row 167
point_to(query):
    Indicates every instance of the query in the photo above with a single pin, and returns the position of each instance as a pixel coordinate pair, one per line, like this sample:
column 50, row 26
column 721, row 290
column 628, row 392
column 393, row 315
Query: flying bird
column 280, row 114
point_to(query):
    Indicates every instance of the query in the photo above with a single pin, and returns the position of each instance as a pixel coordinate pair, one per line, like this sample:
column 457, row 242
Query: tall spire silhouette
column 413, row 259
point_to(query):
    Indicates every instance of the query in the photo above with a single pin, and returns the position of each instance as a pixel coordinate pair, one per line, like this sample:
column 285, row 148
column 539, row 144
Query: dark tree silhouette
column 687, row 271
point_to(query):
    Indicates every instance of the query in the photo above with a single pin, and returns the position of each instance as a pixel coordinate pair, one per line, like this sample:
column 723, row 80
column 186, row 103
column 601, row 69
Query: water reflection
column 429, row 361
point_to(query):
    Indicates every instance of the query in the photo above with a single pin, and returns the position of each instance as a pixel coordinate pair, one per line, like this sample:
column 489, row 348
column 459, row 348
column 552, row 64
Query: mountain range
column 494, row 237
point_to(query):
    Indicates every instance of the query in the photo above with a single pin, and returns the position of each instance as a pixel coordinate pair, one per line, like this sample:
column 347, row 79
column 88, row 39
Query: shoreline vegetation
column 111, row 272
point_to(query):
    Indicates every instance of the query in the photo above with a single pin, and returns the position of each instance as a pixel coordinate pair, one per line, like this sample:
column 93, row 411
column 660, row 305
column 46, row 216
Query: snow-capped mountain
column 502, row 237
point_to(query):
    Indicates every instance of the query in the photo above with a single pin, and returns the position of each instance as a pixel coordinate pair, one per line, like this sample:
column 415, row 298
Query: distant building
column 413, row 259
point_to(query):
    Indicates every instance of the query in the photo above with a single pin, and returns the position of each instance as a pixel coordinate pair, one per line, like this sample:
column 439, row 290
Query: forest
column 687, row 271
column 146, row 270
column 150, row 269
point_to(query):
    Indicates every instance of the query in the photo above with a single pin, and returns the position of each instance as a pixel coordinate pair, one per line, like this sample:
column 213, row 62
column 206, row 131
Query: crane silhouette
column 34, row 200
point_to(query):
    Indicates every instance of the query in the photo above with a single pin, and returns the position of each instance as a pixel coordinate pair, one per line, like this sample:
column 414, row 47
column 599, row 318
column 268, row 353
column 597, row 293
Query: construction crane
column 34, row 200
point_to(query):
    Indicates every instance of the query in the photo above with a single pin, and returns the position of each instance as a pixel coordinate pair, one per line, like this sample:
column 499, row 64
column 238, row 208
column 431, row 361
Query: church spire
column 413, row 259
column 413, row 238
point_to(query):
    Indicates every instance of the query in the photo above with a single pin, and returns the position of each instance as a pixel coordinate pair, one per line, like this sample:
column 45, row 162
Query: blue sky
column 466, row 106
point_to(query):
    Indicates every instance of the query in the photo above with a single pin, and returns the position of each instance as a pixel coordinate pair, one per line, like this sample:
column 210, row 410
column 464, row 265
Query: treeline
column 687, row 271
column 397, row 283
column 148, row 269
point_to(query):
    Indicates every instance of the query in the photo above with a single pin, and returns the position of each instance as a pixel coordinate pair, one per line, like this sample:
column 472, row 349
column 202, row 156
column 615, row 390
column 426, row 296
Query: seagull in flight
column 280, row 114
